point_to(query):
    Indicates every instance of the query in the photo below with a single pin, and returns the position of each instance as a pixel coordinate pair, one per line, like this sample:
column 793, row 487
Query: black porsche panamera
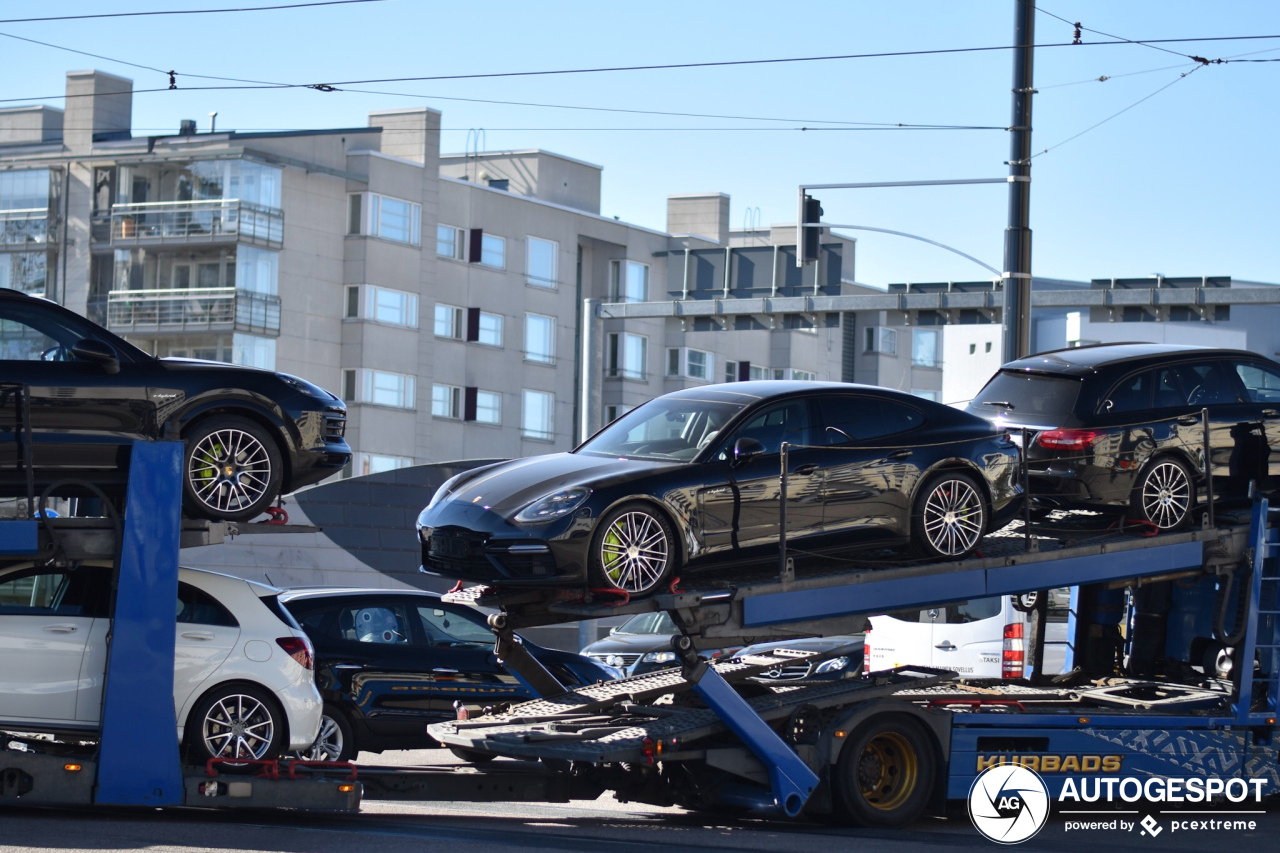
column 250, row 434
column 691, row 480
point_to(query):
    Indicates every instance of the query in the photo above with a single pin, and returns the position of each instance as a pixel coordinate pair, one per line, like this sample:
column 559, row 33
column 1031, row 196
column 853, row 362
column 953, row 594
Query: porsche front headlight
column 555, row 505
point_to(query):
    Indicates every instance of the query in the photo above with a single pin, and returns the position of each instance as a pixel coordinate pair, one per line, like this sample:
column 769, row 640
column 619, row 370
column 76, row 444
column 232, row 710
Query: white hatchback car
column 243, row 679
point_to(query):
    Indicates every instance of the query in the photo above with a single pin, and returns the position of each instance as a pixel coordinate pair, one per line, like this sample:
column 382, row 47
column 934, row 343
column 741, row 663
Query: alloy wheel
column 229, row 470
column 953, row 517
column 1166, row 495
column 238, row 726
column 329, row 743
column 634, row 552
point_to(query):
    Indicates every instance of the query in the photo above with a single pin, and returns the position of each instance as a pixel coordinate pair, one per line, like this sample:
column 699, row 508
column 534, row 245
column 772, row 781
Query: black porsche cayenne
column 1120, row 425
column 250, row 434
column 691, row 480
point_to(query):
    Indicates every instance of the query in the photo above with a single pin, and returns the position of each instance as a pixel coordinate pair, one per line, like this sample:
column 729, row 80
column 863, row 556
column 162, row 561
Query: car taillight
column 1012, row 658
column 866, row 651
column 1069, row 439
column 299, row 649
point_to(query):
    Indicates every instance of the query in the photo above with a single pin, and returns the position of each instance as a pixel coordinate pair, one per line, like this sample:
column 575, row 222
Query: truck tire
column 885, row 774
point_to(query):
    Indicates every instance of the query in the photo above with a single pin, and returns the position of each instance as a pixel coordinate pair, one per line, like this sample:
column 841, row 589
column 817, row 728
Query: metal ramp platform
column 826, row 596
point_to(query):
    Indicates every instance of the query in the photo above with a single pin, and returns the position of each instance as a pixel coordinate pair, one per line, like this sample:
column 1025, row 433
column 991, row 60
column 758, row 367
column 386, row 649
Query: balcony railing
column 193, row 310
column 187, row 222
column 26, row 227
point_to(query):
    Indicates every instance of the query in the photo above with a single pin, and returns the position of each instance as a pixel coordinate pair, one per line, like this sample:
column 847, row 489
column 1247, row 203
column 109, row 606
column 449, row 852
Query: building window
column 691, row 363
column 755, row 371
column 536, row 418
column 612, row 413
column 253, row 351
column 926, row 395
column 446, row 401
column 924, row 348
column 628, row 281
column 451, row 242
column 386, row 217
column 490, row 331
column 382, row 305
column 540, row 338
column 802, row 375
column 493, row 251
column 448, row 322
column 628, row 355
column 488, row 407
column 378, row 387
column 879, row 339
column 541, row 262
column 376, row 463
column 731, row 371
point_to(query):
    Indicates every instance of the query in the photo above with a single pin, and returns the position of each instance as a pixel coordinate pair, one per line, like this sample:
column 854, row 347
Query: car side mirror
column 746, row 448
column 92, row 350
column 613, row 630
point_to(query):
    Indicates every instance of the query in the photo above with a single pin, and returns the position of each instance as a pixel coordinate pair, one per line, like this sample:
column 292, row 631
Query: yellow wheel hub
column 888, row 770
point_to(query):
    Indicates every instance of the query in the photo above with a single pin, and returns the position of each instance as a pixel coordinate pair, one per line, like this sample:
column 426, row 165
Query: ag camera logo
column 1008, row 803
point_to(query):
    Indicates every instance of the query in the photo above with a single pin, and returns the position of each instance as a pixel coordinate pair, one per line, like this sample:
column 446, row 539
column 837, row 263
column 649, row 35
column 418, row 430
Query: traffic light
column 811, row 238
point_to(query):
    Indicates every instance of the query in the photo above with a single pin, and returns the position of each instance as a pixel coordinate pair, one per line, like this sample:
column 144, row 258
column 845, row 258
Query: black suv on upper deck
column 1121, row 424
column 250, row 434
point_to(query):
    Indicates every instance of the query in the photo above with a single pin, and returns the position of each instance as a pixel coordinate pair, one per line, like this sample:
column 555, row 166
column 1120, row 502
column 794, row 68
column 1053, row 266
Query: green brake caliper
column 611, row 558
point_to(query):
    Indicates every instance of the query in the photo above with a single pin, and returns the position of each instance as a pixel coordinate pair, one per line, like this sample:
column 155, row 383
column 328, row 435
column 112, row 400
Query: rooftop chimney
column 98, row 104
column 703, row 214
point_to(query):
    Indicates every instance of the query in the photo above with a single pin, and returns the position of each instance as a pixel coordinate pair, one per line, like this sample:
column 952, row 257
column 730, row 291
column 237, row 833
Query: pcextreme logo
column 1008, row 803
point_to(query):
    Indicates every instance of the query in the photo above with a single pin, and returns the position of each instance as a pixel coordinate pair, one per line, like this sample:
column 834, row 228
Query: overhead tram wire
column 160, row 12
column 1078, row 26
column 1176, row 80
column 330, row 87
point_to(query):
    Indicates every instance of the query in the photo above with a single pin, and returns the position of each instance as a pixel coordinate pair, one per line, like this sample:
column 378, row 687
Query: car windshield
column 1027, row 397
column 668, row 428
column 648, row 623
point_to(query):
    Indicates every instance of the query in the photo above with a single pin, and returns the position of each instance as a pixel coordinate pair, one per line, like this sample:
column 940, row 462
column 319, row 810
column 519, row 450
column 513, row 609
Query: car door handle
column 1270, row 413
column 899, row 454
column 203, row 636
column 60, row 629
column 946, row 646
column 346, row 666
column 442, row 670
column 806, row 470
column 1189, row 421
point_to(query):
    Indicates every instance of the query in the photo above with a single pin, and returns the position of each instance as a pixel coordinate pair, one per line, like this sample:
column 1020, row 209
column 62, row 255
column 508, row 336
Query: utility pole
column 1017, row 237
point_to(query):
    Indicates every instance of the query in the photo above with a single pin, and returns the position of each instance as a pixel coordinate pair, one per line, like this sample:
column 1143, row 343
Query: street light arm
column 988, row 267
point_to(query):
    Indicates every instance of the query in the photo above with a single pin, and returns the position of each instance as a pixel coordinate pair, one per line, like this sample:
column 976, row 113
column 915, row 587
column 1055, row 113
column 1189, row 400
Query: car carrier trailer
column 874, row 751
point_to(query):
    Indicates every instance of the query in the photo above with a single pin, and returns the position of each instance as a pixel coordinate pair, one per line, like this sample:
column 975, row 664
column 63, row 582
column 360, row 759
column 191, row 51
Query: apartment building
column 441, row 295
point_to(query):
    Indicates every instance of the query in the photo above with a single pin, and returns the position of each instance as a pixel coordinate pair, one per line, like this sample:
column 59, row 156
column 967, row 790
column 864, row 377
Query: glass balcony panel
column 25, row 227
column 187, row 222
column 192, row 309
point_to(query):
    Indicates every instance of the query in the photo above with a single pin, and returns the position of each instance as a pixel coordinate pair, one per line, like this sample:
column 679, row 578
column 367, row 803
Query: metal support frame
column 138, row 762
column 1262, row 548
column 791, row 782
column 517, row 660
column 21, row 538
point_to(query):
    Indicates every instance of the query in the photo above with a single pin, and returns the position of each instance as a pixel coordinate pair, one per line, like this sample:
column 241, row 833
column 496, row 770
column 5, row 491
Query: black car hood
column 629, row 643
column 509, row 486
column 810, row 644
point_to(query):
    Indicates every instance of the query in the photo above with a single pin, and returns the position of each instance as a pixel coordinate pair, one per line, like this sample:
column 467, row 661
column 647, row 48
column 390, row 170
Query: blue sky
column 1183, row 184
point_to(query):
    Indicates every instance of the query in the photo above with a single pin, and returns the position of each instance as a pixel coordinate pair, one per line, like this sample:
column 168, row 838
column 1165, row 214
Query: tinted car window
column 21, row 339
column 1207, row 384
column 385, row 624
column 1029, row 394
column 784, row 422
column 848, row 420
column 78, row 592
column 448, row 628
column 973, row 611
column 316, row 623
column 1132, row 394
column 197, row 607
column 1168, row 390
column 649, row 623
column 1261, row 381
